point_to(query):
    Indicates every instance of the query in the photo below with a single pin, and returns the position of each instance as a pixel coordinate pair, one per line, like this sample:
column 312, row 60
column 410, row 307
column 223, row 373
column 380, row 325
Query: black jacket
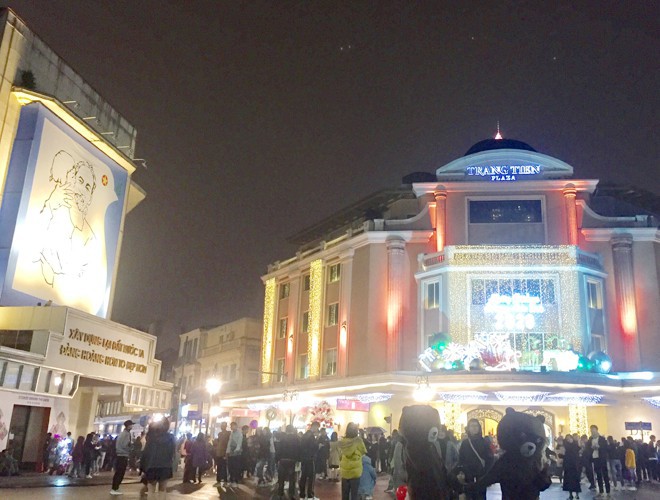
column 288, row 448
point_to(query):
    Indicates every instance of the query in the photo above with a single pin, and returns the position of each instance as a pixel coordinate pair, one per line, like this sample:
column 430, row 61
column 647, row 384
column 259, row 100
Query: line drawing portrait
column 68, row 235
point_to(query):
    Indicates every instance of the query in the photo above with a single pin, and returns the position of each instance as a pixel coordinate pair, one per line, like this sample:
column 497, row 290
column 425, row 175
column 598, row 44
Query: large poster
column 67, row 226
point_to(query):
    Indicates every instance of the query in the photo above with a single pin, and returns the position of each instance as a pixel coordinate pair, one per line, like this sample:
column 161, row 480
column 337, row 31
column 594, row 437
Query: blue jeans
column 615, row 470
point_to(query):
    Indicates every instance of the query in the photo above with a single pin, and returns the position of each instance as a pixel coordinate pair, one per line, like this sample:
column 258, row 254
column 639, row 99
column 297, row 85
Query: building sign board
column 352, row 405
column 498, row 173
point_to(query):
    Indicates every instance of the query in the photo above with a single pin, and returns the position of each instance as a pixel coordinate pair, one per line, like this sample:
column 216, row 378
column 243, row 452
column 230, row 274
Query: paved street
column 34, row 487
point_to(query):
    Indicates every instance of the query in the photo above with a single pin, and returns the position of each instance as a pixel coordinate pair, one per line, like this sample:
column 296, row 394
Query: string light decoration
column 315, row 310
column 577, row 419
column 267, row 341
column 464, row 397
column 452, row 412
column 574, row 398
column 551, row 270
column 521, row 397
column 653, row 401
column 374, row 397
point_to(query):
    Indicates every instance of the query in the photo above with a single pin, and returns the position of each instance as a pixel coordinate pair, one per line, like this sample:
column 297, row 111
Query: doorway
column 27, row 435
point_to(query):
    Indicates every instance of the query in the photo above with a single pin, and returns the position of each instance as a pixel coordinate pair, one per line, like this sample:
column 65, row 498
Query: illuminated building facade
column 499, row 280
column 66, row 161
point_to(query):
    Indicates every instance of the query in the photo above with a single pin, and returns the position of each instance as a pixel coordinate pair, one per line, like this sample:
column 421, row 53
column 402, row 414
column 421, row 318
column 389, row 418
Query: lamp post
column 212, row 387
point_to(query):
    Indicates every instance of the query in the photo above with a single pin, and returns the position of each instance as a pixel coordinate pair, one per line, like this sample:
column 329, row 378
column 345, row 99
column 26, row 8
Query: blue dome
column 489, row 144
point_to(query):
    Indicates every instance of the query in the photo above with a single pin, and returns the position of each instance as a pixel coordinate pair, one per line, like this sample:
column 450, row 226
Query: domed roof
column 488, row 144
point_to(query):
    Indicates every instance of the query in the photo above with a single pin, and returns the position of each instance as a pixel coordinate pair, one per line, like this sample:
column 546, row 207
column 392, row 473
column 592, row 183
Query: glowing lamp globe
column 440, row 341
column 601, row 362
column 584, row 364
column 477, row 364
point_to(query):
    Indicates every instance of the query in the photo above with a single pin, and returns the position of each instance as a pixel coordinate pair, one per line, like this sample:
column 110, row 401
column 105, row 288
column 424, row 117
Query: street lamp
column 212, row 387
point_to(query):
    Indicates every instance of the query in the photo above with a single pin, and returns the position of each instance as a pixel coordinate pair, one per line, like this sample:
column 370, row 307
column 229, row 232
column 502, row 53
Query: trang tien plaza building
column 501, row 279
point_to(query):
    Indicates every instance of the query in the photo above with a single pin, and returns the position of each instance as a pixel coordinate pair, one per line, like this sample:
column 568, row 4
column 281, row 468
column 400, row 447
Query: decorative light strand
column 267, row 341
column 315, row 309
column 464, row 397
column 653, row 401
column 452, row 413
column 374, row 397
column 574, row 398
column 577, row 419
column 521, row 397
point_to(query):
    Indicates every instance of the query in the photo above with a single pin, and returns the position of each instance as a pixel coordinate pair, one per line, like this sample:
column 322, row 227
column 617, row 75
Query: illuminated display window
column 335, row 273
column 303, row 367
column 305, row 323
column 281, row 331
column 484, row 289
column 285, row 289
column 505, row 211
column 432, row 299
column 306, row 282
column 333, row 314
column 280, row 366
column 330, row 362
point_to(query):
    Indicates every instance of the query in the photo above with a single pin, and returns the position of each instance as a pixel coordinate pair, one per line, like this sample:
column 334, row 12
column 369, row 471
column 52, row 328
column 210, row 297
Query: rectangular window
column 307, row 280
column 303, row 367
column 194, row 349
column 305, row 322
column 432, row 295
column 595, row 307
column 335, row 273
column 285, row 289
column 232, row 372
column 281, row 331
column 333, row 314
column 505, row 211
column 280, row 365
column 330, row 362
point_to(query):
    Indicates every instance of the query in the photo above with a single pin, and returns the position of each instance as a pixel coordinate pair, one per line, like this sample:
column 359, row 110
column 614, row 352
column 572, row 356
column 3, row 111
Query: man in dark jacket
column 309, row 447
column 286, row 454
column 596, row 449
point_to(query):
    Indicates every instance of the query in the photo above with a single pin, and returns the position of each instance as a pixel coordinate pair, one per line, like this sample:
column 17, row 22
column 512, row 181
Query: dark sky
column 259, row 119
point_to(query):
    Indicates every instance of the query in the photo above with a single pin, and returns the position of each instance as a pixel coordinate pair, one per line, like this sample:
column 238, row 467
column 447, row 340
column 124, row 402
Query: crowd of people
column 294, row 461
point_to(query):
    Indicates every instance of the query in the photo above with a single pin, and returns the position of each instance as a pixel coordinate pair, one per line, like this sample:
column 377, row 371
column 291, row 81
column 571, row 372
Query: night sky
column 259, row 119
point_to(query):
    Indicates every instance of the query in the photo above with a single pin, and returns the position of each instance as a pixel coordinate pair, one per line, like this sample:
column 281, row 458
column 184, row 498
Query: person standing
column 77, row 457
column 333, row 458
column 367, row 479
column 235, row 454
column 322, row 455
column 123, row 451
column 158, row 456
column 596, row 449
column 221, row 455
column 351, row 449
column 309, row 448
column 475, row 457
column 286, row 454
column 571, row 467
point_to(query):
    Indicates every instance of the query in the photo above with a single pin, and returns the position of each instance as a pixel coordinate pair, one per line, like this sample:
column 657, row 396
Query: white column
column 625, row 297
column 396, row 254
column 571, row 215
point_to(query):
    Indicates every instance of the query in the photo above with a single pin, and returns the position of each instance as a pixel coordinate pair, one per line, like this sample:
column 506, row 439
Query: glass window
column 595, row 308
column 505, row 211
column 333, row 314
column 307, row 282
column 285, row 289
column 280, row 365
column 303, row 367
column 433, row 295
column 335, row 273
column 330, row 362
column 194, row 349
column 478, row 292
column 305, row 322
column 281, row 332
column 232, row 372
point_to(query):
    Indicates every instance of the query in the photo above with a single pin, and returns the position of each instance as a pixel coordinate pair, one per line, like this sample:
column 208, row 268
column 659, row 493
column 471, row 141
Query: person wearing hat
column 123, row 450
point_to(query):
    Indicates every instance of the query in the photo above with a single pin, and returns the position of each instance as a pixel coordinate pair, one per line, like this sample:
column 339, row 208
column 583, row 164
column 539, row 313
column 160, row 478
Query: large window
column 303, row 367
column 595, row 314
column 333, row 314
column 285, row 289
column 335, row 273
column 307, row 282
column 330, row 362
column 505, row 211
column 432, row 299
column 281, row 330
column 280, row 366
column 305, row 322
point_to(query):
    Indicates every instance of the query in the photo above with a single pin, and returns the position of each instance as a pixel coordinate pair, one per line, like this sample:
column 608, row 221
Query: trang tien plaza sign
column 503, row 172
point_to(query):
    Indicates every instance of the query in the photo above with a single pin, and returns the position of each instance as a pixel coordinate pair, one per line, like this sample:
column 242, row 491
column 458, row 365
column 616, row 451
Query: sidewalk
column 43, row 480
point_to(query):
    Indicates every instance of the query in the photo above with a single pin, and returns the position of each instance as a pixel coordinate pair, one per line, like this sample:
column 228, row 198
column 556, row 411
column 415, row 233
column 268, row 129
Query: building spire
column 498, row 136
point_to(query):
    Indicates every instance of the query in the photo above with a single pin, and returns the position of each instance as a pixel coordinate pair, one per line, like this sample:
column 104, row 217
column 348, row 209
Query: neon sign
column 514, row 311
column 498, row 173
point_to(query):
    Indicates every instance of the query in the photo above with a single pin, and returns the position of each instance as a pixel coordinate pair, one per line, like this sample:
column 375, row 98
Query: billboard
column 60, row 217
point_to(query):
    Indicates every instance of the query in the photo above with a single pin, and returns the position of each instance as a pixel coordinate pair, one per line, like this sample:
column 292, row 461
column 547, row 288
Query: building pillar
column 314, row 344
column 577, row 419
column 440, row 220
column 396, row 254
column 344, row 314
column 625, row 298
column 571, row 214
